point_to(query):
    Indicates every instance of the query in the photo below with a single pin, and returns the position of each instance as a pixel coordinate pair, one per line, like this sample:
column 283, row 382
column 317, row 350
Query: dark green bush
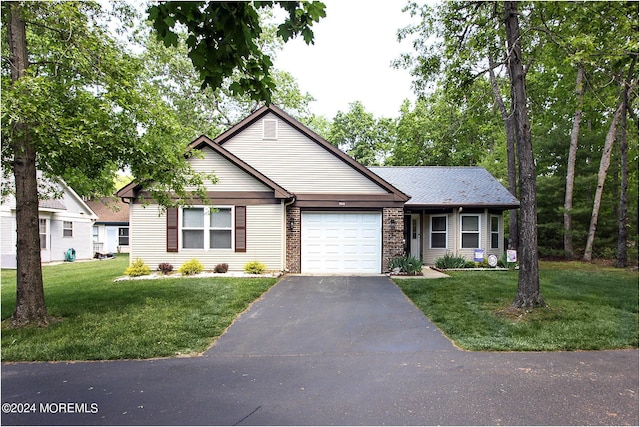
column 406, row 264
column 451, row 261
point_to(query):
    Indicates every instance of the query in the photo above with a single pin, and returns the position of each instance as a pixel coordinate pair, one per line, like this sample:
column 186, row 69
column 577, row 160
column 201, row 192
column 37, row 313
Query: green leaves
column 222, row 39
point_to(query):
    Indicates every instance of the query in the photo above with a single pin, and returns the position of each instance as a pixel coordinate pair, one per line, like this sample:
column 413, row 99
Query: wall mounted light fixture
column 291, row 224
column 393, row 224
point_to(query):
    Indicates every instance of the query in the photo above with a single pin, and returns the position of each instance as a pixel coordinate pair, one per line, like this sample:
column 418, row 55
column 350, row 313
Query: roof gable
column 131, row 190
column 448, row 186
column 287, row 159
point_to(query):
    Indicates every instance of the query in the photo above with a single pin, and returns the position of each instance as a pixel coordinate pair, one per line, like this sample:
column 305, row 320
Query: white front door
column 349, row 242
column 414, row 235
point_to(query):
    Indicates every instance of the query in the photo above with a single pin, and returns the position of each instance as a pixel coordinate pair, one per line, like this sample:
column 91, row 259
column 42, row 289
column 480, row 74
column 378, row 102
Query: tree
column 467, row 34
column 74, row 106
column 359, row 134
column 228, row 41
column 528, row 294
column 206, row 110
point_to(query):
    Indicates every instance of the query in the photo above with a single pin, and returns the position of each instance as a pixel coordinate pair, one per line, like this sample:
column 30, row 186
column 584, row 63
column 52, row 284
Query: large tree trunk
column 528, row 294
column 571, row 165
column 512, row 173
column 605, row 161
column 621, row 256
column 30, row 304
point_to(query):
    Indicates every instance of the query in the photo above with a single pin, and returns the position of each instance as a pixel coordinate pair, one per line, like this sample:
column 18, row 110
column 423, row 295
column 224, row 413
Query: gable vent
column 269, row 129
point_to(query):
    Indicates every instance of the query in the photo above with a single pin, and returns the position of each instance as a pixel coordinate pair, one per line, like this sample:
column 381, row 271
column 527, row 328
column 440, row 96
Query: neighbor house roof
column 110, row 210
column 448, row 186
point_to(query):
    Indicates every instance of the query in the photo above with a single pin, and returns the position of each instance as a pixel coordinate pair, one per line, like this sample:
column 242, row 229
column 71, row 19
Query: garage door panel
column 341, row 242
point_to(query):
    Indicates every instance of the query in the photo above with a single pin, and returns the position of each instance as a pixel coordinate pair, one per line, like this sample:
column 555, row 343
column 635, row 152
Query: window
column 193, row 228
column 67, row 229
column 438, row 232
column 269, row 129
column 220, row 228
column 470, row 229
column 95, row 233
column 123, row 236
column 495, row 232
column 207, row 228
column 43, row 233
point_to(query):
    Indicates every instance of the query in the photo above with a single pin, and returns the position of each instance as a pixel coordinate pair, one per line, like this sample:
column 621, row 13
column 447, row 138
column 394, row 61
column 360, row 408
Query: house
column 65, row 223
column 284, row 197
column 452, row 209
column 111, row 230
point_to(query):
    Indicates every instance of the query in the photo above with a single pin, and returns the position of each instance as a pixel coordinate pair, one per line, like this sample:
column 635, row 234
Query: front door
column 414, row 235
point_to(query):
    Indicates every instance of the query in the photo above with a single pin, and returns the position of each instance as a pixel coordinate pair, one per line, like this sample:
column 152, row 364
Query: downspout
column 285, row 205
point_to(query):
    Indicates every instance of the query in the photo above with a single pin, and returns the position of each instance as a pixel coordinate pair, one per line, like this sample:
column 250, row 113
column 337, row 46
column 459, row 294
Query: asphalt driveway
column 326, row 350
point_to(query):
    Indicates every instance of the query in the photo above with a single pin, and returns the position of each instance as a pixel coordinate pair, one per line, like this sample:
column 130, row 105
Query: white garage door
column 341, row 242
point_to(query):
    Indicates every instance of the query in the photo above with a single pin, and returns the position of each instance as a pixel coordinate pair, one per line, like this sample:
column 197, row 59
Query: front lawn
column 589, row 308
column 102, row 320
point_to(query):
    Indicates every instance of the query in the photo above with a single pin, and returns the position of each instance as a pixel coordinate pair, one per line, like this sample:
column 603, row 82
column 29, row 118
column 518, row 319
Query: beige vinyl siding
column 454, row 238
column 296, row 162
column 230, row 177
column 147, row 237
column 431, row 255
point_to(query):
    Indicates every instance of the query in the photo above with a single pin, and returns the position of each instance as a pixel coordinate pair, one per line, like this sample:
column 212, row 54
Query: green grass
column 103, row 320
column 589, row 308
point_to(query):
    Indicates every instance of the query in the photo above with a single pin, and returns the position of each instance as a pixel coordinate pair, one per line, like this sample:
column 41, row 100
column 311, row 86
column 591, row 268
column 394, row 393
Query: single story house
column 64, row 223
column 110, row 232
column 291, row 200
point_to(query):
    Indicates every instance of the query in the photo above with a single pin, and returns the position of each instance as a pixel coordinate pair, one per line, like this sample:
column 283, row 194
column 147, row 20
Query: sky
column 351, row 59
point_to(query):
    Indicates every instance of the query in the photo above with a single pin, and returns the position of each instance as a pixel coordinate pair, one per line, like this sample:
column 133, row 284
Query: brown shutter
column 241, row 228
column 172, row 229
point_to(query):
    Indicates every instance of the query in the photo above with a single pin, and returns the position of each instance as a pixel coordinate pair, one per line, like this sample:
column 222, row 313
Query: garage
column 341, row 242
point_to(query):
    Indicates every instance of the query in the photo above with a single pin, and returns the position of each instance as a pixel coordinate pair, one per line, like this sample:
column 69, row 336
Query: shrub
column 191, row 267
column 137, row 268
column 165, row 267
column 451, row 261
column 406, row 264
column 221, row 268
column 255, row 267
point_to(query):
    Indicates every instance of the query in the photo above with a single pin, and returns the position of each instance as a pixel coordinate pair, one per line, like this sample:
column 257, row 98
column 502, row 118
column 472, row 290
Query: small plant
column 406, row 264
column 137, row 268
column 191, row 267
column 165, row 267
column 255, row 267
column 451, row 261
column 221, row 268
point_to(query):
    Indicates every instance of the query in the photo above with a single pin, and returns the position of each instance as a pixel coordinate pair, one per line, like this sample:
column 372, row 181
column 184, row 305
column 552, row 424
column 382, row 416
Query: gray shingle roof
column 440, row 186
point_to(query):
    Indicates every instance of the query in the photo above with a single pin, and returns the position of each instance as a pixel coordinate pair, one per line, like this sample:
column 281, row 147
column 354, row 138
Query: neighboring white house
column 111, row 230
column 64, row 223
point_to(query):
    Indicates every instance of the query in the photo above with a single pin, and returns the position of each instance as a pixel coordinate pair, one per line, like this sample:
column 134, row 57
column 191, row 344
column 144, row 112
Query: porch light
column 291, row 224
column 393, row 224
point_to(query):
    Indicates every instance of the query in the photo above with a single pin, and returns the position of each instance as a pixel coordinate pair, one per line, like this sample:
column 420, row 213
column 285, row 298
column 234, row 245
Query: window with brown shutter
column 241, row 228
column 172, row 229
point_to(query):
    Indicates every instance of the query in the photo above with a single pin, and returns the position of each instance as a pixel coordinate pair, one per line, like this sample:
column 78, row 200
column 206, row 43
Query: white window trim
column 446, row 231
column 206, row 228
column 479, row 232
column 65, row 228
column 491, row 232
column 45, row 234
